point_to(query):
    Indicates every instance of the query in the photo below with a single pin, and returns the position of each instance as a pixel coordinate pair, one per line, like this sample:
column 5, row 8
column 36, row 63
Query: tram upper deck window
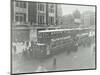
column 42, row 35
column 45, row 35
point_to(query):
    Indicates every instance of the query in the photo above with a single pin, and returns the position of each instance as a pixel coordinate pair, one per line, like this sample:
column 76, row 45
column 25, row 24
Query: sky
column 68, row 9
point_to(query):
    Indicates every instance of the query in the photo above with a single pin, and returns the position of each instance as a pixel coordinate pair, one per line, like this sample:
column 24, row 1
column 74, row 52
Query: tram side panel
column 56, row 41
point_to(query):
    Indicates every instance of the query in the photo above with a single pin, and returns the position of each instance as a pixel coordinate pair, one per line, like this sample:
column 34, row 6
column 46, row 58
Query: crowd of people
column 23, row 49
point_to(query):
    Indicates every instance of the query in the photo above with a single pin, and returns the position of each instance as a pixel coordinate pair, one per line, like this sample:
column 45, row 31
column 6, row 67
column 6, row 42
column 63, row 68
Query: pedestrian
column 54, row 63
column 30, row 52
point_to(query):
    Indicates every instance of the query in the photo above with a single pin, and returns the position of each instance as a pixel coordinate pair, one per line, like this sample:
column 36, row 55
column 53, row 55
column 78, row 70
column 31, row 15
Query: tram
column 57, row 40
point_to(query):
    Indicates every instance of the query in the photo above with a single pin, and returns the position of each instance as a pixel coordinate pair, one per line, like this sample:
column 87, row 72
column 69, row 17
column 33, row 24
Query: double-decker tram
column 54, row 40
column 57, row 40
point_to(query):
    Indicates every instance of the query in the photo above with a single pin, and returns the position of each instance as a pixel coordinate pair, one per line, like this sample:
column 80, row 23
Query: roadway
column 83, row 58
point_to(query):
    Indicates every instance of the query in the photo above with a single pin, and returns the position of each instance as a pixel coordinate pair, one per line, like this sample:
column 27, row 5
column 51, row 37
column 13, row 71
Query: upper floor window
column 17, row 4
column 51, row 20
column 41, row 19
column 21, row 4
column 41, row 7
column 51, row 8
column 20, row 17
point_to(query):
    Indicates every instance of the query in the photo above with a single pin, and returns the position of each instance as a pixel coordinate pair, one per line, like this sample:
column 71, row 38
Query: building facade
column 29, row 17
column 42, row 14
column 34, row 13
column 51, row 14
column 88, row 18
column 37, row 14
column 19, row 13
